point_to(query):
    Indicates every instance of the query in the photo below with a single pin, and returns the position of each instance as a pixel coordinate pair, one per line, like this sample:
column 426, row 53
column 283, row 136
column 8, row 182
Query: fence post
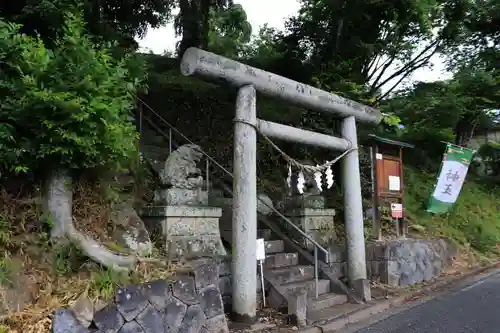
column 356, row 264
column 244, row 224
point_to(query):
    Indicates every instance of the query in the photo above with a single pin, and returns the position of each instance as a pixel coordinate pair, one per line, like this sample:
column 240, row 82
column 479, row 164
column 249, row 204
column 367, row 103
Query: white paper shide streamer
column 289, row 179
column 319, row 179
column 329, row 177
column 301, row 181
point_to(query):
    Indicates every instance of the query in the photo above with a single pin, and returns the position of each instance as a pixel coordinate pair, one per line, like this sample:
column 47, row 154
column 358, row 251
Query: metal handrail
column 278, row 213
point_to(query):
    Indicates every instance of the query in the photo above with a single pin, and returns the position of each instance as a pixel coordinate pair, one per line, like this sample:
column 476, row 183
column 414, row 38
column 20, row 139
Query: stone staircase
column 285, row 270
column 287, row 276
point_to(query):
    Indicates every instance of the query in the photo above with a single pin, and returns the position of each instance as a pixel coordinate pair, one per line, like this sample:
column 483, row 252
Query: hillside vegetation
column 474, row 223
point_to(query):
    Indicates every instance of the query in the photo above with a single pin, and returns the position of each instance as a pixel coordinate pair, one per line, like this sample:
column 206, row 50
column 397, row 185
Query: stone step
column 325, row 301
column 277, row 260
column 264, row 233
column 331, row 313
column 274, row 246
column 323, row 287
column 291, row 274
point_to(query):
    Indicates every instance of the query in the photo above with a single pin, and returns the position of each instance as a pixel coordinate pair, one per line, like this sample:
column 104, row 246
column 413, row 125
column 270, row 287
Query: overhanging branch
column 420, row 60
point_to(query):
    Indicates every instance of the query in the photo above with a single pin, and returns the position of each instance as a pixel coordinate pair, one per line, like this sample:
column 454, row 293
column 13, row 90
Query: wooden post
column 376, row 228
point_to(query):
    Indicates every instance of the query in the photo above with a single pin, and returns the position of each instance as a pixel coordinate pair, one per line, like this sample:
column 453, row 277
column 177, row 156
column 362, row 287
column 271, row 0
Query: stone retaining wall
column 398, row 262
column 408, row 261
column 190, row 303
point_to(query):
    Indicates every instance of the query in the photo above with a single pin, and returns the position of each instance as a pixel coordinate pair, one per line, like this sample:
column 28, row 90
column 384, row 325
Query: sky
column 274, row 13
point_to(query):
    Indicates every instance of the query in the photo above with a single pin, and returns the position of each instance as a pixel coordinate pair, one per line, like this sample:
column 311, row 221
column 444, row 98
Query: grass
column 474, row 222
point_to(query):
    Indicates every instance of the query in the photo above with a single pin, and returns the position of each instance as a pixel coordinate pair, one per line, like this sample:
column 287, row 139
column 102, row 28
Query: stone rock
column 156, row 307
column 65, row 322
column 109, row 319
column 193, row 321
column 130, row 301
column 131, row 327
column 211, row 301
column 158, row 294
column 99, row 305
column 206, row 275
column 150, row 320
column 130, row 231
column 83, row 309
column 174, row 314
column 184, row 289
column 264, row 204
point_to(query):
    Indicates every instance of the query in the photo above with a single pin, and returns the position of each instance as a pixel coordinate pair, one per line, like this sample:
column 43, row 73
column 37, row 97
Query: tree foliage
column 193, row 22
column 360, row 41
column 229, row 31
column 65, row 106
column 110, row 20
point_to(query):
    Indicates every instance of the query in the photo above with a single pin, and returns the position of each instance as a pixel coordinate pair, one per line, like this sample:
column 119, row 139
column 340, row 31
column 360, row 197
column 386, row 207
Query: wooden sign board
column 389, row 175
column 388, row 184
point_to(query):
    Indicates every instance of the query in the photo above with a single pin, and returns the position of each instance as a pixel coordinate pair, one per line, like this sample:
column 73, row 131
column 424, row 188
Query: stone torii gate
column 249, row 80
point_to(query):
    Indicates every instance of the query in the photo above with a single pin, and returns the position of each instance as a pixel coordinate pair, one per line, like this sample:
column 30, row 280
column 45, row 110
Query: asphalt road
column 473, row 309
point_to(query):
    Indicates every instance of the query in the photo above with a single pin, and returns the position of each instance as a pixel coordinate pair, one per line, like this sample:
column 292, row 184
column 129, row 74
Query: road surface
column 473, row 309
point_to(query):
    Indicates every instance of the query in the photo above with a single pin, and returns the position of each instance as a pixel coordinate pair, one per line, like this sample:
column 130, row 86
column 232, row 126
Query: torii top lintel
column 210, row 65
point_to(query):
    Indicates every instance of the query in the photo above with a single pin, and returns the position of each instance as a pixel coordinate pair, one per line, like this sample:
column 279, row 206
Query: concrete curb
column 382, row 306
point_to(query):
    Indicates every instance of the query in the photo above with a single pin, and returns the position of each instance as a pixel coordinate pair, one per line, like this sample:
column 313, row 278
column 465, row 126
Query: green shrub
column 67, row 106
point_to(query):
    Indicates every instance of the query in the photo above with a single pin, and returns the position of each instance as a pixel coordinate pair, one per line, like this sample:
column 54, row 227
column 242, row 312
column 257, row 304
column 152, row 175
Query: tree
column 265, row 45
column 62, row 110
column 67, row 106
column 229, row 31
column 193, row 22
column 443, row 108
column 358, row 42
column 479, row 36
column 107, row 19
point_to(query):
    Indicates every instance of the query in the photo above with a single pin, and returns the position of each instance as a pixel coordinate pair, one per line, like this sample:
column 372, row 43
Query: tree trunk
column 58, row 211
column 465, row 129
column 58, row 204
